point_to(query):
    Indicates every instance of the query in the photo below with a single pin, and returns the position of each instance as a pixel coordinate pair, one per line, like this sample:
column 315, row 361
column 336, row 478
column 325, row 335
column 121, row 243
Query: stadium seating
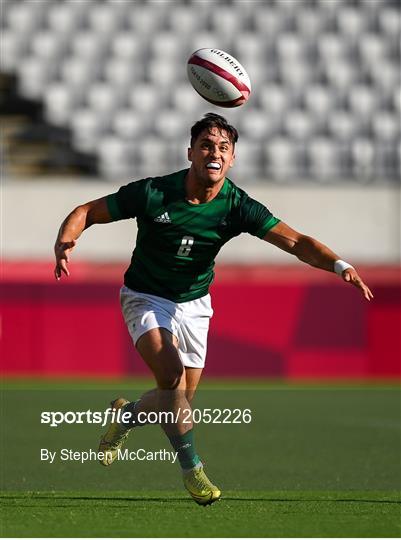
column 326, row 100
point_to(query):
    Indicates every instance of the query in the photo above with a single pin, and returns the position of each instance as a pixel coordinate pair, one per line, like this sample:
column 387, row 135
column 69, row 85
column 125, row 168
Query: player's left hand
column 350, row 275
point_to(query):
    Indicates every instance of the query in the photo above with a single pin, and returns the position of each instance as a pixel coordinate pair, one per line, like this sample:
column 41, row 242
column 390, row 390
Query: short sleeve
column 130, row 201
column 256, row 219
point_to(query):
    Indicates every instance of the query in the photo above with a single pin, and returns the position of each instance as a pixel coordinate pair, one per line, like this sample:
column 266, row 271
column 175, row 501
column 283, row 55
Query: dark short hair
column 212, row 120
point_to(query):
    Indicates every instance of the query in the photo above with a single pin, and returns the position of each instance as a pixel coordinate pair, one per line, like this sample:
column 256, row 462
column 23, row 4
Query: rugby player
column 183, row 221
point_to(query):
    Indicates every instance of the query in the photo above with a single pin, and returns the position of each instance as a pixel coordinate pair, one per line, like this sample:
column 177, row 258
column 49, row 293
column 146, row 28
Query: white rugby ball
column 219, row 78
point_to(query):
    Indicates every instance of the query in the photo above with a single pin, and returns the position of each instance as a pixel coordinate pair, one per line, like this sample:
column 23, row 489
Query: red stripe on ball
column 214, row 68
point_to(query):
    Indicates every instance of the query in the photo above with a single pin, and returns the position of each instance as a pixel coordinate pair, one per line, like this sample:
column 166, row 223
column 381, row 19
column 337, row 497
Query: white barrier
column 360, row 223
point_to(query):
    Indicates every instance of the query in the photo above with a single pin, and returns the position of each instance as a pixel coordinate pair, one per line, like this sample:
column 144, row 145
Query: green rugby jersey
column 178, row 241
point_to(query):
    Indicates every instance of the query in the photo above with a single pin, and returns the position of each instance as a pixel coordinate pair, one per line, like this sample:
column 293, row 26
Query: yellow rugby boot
column 200, row 487
column 115, row 436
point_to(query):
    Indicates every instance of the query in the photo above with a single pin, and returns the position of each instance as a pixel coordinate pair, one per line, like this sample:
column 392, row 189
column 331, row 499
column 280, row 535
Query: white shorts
column 188, row 321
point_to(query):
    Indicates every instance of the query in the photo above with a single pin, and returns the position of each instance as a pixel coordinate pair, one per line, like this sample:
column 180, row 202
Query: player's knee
column 170, row 378
column 189, row 394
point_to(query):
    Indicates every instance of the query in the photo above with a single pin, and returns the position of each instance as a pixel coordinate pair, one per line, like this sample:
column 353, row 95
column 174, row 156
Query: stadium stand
column 112, row 73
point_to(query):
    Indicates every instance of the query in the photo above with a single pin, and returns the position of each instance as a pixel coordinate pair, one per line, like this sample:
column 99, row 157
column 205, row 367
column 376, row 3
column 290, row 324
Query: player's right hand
column 62, row 252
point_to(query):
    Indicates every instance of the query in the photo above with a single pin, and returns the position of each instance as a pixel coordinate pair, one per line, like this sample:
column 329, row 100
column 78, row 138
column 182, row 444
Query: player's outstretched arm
column 72, row 227
column 313, row 252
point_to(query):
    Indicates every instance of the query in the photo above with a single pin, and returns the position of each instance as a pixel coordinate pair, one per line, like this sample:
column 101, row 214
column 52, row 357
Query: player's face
column 212, row 154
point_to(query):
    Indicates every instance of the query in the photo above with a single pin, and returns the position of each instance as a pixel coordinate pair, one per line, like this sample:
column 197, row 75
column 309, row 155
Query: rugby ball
column 218, row 77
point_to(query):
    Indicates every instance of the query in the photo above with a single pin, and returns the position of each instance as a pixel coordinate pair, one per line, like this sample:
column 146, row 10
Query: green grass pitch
column 316, row 461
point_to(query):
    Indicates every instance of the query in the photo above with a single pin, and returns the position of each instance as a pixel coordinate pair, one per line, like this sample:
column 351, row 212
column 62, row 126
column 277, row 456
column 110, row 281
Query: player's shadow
column 183, row 499
column 269, row 499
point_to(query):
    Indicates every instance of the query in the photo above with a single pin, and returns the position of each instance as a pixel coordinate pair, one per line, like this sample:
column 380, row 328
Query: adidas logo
column 164, row 218
column 186, row 445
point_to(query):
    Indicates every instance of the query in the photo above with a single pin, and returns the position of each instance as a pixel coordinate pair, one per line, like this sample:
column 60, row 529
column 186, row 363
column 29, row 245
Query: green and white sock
column 184, row 446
